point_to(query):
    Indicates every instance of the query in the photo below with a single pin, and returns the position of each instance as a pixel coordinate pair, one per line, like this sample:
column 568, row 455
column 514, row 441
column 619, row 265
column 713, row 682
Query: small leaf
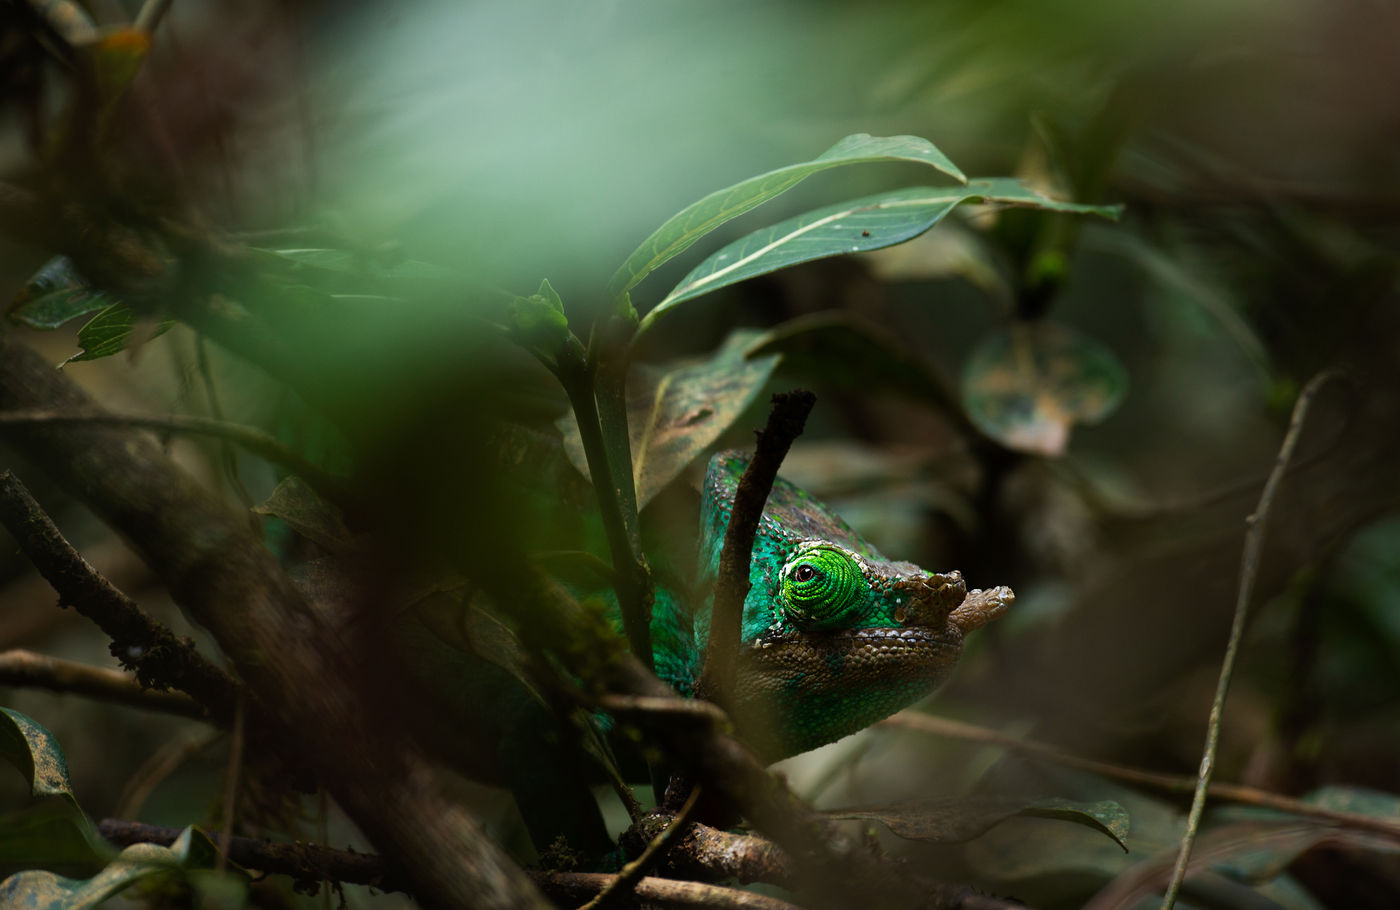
column 857, row 226
column 958, row 819
column 56, row 294
column 307, row 513
column 698, row 219
column 1028, row 385
column 36, row 890
column 676, row 412
column 37, row 754
column 110, row 331
column 538, row 321
column 116, row 58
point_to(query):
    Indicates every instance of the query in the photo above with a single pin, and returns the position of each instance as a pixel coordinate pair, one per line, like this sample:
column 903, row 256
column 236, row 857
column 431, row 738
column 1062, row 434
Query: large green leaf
column 959, row 819
column 1028, row 385
column 56, row 294
column 860, row 225
column 698, row 219
column 676, row 412
column 110, row 331
column 39, row 890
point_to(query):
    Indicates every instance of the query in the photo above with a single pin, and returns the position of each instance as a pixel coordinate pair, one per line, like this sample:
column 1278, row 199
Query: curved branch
column 26, row 669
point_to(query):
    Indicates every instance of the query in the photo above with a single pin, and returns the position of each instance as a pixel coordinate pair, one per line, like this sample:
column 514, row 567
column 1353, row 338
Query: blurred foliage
column 382, row 186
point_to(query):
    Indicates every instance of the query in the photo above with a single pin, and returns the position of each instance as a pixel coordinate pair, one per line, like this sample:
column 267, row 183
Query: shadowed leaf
column 110, row 331
column 307, row 513
column 959, row 819
column 676, row 412
column 1027, row 386
column 56, row 294
column 696, row 220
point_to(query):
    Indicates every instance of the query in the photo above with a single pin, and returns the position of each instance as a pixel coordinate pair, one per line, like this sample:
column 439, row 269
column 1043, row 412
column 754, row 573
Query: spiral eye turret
column 820, row 584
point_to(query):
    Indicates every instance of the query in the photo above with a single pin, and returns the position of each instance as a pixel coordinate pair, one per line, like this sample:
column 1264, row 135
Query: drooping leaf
column 56, row 294
column 698, row 219
column 37, row 754
column 110, row 331
column 40, row 890
column 674, row 413
column 958, row 819
column 307, row 513
column 860, row 225
column 1027, row 386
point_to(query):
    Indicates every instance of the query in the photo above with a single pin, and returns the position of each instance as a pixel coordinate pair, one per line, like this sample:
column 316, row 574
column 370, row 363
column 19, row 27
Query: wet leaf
column 307, row 513
column 1027, row 386
column 857, row 226
column 110, row 331
column 675, row 412
column 958, row 819
column 696, row 220
column 39, row 890
column 56, row 294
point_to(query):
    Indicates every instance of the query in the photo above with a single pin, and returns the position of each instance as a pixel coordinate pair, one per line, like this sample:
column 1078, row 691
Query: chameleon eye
column 820, row 585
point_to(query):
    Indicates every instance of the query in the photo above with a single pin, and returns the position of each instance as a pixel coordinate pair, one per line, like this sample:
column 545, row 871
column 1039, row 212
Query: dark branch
column 257, row 441
column 148, row 648
column 785, row 423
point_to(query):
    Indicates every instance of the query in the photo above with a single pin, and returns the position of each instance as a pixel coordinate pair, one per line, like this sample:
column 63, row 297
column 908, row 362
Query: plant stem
column 1249, row 570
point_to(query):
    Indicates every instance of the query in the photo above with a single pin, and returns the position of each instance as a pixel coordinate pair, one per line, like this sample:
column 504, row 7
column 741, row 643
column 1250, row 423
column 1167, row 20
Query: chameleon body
column 834, row 636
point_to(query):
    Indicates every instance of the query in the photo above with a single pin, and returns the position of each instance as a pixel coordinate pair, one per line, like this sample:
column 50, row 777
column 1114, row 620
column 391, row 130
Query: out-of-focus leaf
column 307, row 513
column 38, row 890
column 110, row 331
column 1028, row 385
column 846, row 349
column 349, row 262
column 37, row 754
column 674, row 413
column 51, row 836
column 857, row 226
column 56, row 294
column 958, row 819
column 699, row 218
column 68, row 20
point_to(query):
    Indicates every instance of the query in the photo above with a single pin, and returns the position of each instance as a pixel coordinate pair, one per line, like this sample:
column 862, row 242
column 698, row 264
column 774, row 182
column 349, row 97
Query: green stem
column 617, row 499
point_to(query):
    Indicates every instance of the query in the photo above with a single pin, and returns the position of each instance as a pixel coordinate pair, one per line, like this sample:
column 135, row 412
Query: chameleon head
column 851, row 638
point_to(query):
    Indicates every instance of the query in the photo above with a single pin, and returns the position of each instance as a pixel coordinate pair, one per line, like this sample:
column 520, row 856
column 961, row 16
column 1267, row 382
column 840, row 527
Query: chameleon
column 834, row 637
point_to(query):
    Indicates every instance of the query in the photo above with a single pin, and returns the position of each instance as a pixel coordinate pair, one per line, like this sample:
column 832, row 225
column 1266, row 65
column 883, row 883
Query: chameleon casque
column 834, row 637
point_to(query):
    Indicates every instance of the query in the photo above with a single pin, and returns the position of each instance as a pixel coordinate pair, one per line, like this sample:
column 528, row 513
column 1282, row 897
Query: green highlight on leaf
column 1028, row 385
column 860, row 225
column 351, row 262
column 959, row 819
column 56, row 294
column 111, row 331
column 675, row 413
column 700, row 218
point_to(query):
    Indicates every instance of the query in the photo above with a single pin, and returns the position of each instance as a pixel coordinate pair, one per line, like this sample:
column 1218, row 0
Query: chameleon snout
column 927, row 600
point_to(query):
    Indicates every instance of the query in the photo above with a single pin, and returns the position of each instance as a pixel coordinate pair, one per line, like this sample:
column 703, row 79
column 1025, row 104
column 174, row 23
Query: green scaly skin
column 834, row 637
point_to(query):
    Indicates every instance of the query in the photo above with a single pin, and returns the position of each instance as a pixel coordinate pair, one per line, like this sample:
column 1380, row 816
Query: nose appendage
column 981, row 607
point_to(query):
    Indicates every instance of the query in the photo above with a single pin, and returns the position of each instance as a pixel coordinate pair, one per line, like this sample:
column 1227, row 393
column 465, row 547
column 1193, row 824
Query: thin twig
column 1249, row 570
column 231, row 775
column 138, row 641
column 785, row 423
column 260, row 443
column 1170, row 783
column 152, row 11
column 228, row 456
column 655, row 851
column 29, row 670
